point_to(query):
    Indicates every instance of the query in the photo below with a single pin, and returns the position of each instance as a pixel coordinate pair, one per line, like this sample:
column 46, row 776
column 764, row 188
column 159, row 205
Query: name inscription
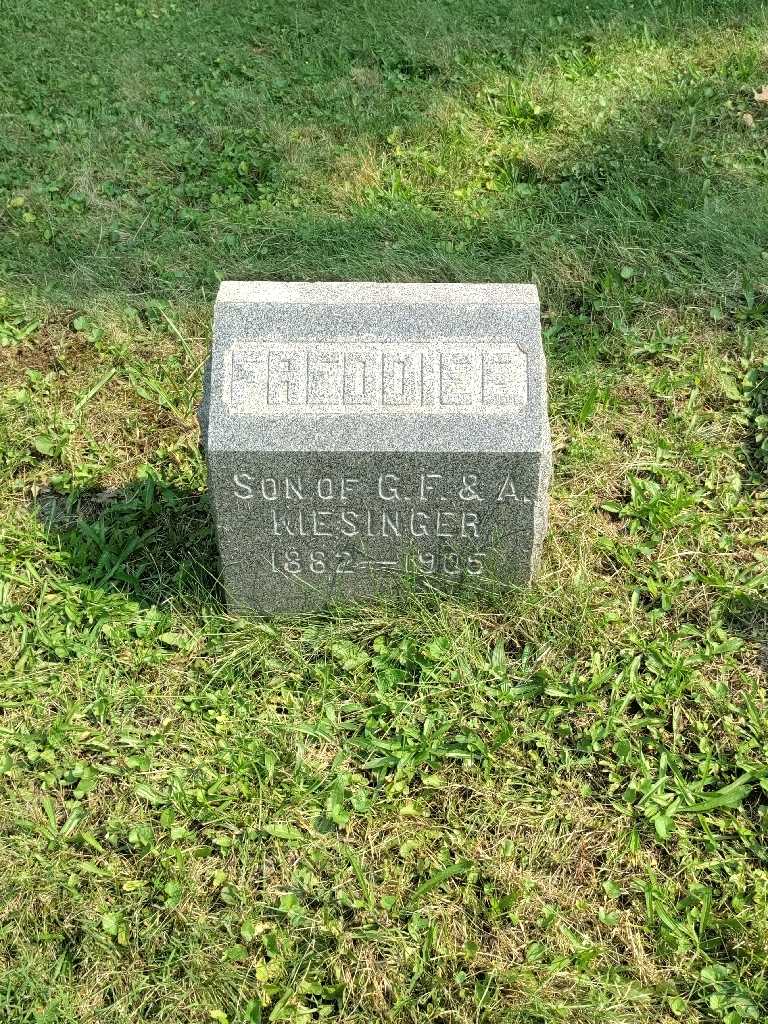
column 374, row 377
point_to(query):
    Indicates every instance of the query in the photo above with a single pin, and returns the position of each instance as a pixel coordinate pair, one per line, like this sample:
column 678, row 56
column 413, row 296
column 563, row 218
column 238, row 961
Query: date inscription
column 347, row 563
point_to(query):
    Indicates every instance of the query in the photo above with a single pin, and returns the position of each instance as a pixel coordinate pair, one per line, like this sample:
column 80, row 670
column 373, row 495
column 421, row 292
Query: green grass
column 523, row 808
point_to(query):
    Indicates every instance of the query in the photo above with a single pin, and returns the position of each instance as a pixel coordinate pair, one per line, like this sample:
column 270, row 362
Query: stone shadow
column 620, row 190
column 747, row 617
column 152, row 540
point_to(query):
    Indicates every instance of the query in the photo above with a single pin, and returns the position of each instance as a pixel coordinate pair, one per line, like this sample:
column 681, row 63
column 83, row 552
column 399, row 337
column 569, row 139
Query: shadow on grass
column 636, row 192
column 747, row 617
column 153, row 541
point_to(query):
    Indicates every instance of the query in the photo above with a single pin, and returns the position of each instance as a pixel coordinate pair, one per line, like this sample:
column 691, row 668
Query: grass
column 527, row 808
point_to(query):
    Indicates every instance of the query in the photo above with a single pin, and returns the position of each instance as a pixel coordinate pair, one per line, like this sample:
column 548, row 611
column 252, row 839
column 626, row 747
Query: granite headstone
column 362, row 437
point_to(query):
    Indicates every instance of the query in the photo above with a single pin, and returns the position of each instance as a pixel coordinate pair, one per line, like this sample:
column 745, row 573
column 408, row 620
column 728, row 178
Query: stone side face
column 363, row 437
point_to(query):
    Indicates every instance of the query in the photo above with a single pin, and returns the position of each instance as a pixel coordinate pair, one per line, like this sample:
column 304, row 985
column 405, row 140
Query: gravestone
column 361, row 438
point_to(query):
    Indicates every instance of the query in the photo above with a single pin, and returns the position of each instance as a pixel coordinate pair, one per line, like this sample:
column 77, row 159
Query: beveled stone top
column 367, row 367
column 374, row 293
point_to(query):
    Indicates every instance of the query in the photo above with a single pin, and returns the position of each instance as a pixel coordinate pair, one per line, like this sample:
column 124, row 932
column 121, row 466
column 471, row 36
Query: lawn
column 515, row 808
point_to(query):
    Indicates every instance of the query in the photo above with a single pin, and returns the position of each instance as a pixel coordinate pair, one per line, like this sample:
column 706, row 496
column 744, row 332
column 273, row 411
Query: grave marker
column 361, row 434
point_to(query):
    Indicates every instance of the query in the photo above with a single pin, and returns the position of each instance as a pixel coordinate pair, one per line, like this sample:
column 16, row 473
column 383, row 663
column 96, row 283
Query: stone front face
column 296, row 530
column 363, row 438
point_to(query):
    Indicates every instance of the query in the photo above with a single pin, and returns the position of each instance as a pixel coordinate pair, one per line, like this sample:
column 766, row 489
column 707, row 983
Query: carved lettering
column 357, row 379
column 285, row 377
column 419, row 524
column 377, row 376
column 319, row 524
column 325, row 377
column 243, row 489
column 289, row 523
column 443, row 526
column 507, row 491
column 294, row 489
column 346, row 524
column 386, row 523
column 390, row 524
column 469, row 524
column 388, row 487
column 349, row 525
column 348, row 486
column 269, row 488
column 322, row 562
column 428, row 484
column 460, row 377
column 468, row 489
